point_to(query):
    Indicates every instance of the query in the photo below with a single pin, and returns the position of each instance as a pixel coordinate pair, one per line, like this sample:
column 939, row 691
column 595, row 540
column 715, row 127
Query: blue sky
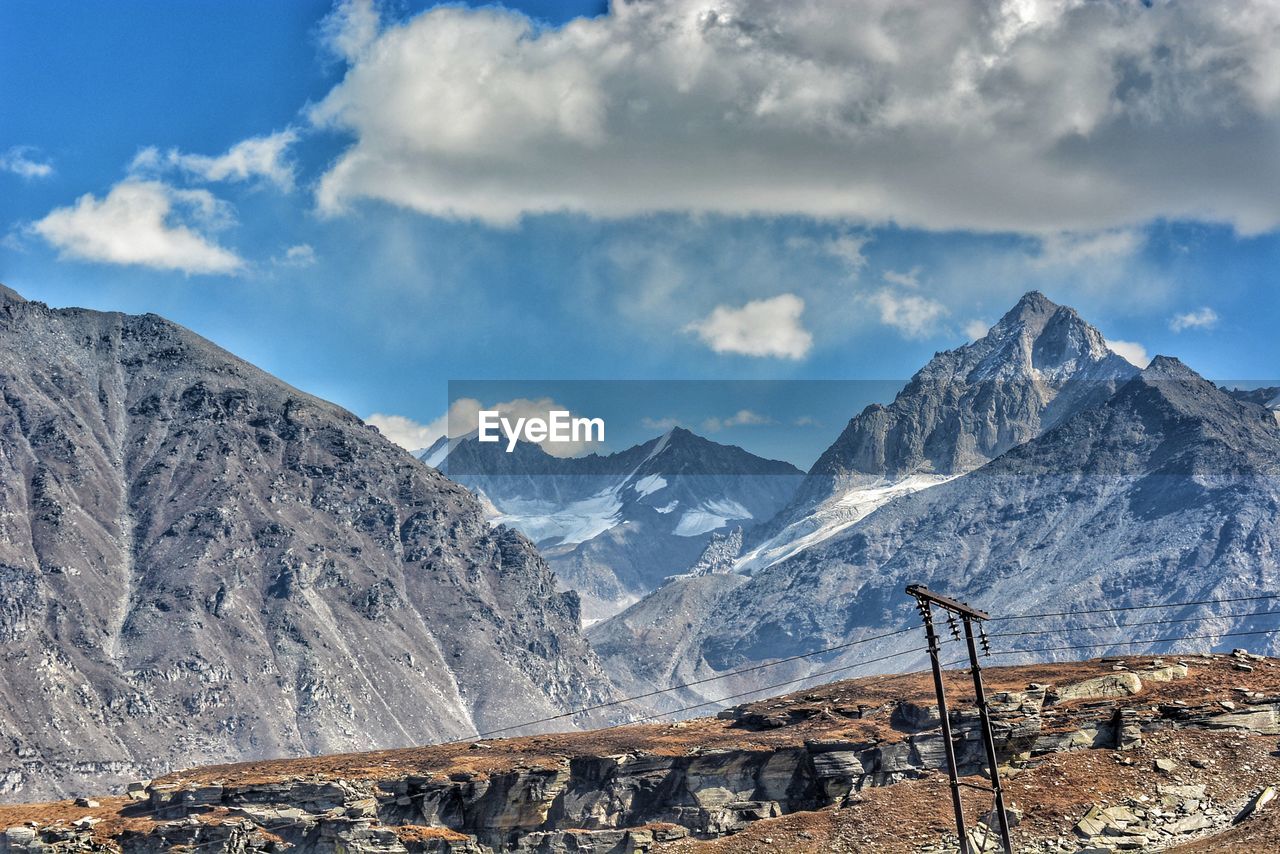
column 653, row 192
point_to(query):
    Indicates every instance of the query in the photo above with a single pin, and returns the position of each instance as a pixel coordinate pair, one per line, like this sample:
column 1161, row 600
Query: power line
column 695, row 682
column 1108, row 644
column 650, row 717
column 776, row 685
column 838, row 647
column 1134, row 624
column 1137, row 607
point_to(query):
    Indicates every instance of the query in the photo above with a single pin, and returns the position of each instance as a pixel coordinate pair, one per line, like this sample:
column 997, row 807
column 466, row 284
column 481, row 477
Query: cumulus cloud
column 1034, row 117
column 976, row 329
column 1201, row 318
column 26, row 162
column 914, row 315
column 264, row 157
column 1131, row 351
column 764, row 327
column 741, row 418
column 144, row 223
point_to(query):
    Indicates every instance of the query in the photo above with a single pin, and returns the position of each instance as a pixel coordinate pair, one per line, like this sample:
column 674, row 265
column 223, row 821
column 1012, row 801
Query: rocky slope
column 200, row 563
column 1096, row 756
column 613, row 527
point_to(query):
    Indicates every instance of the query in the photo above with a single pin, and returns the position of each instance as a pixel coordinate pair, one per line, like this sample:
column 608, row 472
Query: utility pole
column 925, row 601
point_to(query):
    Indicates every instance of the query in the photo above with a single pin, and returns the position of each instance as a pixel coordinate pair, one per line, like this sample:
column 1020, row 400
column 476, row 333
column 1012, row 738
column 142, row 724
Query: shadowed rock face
column 200, row 563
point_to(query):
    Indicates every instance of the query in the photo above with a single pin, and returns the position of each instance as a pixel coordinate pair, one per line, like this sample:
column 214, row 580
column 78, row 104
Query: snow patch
column 578, row 522
column 668, row 508
column 649, row 484
column 660, row 447
column 709, row 517
column 833, row 516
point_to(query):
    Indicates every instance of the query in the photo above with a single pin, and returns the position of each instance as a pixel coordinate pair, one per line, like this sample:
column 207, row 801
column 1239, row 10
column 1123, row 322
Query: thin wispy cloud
column 909, row 279
column 26, row 161
column 741, row 418
column 1201, row 318
column 262, row 157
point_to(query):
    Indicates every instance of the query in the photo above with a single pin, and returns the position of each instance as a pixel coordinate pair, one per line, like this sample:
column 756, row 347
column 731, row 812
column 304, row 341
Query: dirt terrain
column 1208, row 721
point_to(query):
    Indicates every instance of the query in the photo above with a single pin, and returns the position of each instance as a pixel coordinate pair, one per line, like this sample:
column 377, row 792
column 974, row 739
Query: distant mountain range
column 1032, row 470
column 199, row 563
column 614, row 526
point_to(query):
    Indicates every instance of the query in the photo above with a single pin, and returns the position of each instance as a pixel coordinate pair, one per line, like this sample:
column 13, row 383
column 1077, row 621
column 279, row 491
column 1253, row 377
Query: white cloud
column 909, row 279
column 741, row 418
column 144, row 223
column 913, row 315
column 264, row 157
column 25, row 161
column 407, row 433
column 1130, row 351
column 806, row 421
column 976, row 329
column 301, row 255
column 764, row 327
column 848, row 248
column 1045, row 117
column 1201, row 318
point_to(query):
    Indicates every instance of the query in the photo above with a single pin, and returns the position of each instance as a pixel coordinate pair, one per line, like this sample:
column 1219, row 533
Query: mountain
column 201, row 563
column 614, row 526
column 1266, row 397
column 1168, row 492
column 1038, row 365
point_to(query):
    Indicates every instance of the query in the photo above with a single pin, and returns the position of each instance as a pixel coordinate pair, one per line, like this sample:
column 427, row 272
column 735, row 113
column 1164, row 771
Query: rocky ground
column 1136, row 754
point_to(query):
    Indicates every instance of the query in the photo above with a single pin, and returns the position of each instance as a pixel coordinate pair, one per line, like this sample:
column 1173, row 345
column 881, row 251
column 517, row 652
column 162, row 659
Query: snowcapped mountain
column 613, row 526
column 1169, row 491
column 1038, row 365
column 973, row 475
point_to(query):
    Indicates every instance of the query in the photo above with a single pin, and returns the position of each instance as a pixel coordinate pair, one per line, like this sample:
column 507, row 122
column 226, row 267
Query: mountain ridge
column 614, row 526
